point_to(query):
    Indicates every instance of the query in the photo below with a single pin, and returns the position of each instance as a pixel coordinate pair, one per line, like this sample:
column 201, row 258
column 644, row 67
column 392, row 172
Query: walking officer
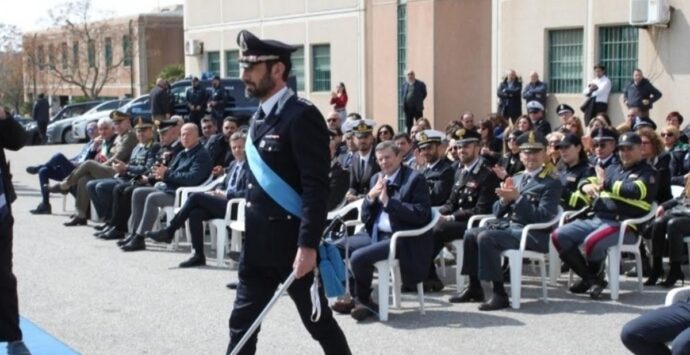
column 288, row 159
column 197, row 98
column 11, row 137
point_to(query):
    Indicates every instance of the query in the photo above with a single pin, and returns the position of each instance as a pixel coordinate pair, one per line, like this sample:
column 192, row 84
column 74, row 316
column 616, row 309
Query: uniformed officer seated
column 474, row 192
column 604, row 143
column 574, row 168
column 397, row 200
column 529, row 197
column 437, row 171
column 364, row 164
column 535, row 111
column 621, row 191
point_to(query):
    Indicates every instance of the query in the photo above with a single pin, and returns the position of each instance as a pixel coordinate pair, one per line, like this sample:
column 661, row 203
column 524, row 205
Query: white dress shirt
column 384, row 221
column 603, row 91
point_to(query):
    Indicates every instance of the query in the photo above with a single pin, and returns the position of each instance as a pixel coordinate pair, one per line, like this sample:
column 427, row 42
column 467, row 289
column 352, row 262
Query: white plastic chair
column 614, row 253
column 554, row 258
column 219, row 229
column 515, row 257
column 459, row 247
column 679, row 294
column 677, row 191
column 390, row 268
column 344, row 210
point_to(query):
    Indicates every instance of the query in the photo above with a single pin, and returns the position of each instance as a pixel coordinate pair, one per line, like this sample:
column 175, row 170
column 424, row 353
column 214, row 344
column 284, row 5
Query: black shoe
column 496, row 302
column 102, row 227
column 75, row 221
column 56, row 189
column 101, row 233
column 137, row 243
column 161, row 236
column 232, row 285
column 581, row 286
column 42, row 208
column 33, row 170
column 234, row 256
column 363, row 311
column 597, row 288
column 343, row 306
column 433, row 285
column 468, row 295
column 17, row 348
column 195, row 260
column 126, row 241
column 672, row 278
column 653, row 278
column 112, row 234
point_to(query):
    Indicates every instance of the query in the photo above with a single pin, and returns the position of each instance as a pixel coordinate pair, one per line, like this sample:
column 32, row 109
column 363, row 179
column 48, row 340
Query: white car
column 79, row 124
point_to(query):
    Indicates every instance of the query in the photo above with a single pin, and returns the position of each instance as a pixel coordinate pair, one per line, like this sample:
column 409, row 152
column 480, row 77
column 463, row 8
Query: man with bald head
column 535, row 90
column 190, row 167
column 334, row 121
column 413, row 95
column 160, row 100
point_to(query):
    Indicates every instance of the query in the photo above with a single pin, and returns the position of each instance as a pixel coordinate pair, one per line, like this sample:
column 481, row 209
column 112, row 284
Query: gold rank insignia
column 531, row 139
column 423, row 137
column 460, row 133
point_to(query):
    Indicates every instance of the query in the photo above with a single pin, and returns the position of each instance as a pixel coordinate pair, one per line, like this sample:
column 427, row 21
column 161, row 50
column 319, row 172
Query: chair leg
column 384, row 288
column 397, row 284
column 614, row 271
column 443, row 262
column 542, row 269
column 64, row 206
column 420, row 295
column 554, row 266
column 515, row 280
column 638, row 262
column 459, row 254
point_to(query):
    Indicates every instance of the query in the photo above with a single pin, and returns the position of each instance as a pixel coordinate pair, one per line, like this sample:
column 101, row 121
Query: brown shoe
column 363, row 311
column 343, row 307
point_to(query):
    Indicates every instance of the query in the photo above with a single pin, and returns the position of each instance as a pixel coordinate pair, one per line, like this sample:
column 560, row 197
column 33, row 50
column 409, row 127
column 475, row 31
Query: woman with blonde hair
column 574, row 125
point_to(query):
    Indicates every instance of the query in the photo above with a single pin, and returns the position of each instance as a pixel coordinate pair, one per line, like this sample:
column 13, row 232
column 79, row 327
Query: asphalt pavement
column 100, row 300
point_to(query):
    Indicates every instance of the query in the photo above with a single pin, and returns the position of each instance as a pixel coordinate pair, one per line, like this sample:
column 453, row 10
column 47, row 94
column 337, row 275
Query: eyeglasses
column 666, row 134
column 512, row 139
column 563, row 147
column 331, row 120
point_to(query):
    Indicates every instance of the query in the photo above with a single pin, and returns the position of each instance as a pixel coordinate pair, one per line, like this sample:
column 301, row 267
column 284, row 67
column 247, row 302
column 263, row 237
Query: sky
column 31, row 15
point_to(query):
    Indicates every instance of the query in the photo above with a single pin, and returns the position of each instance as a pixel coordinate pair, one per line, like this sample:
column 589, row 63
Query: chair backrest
column 539, row 226
column 680, row 294
column 239, row 204
column 676, row 190
column 182, row 193
column 635, row 221
column 344, row 210
column 435, row 216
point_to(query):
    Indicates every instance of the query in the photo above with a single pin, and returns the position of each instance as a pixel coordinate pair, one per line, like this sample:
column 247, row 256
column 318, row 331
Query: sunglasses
column 563, row 147
column 666, row 134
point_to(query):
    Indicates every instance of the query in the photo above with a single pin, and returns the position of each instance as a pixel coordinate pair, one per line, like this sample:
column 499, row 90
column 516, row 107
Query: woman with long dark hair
column 339, row 101
column 384, row 133
column 491, row 147
column 510, row 163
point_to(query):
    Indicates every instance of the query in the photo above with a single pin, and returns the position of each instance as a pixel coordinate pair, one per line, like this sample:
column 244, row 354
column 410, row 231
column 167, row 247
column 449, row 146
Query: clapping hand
column 500, row 171
column 507, row 191
column 119, row 166
column 601, row 174
column 376, row 191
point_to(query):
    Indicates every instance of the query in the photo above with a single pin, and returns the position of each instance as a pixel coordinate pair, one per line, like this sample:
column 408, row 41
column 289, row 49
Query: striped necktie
column 4, row 209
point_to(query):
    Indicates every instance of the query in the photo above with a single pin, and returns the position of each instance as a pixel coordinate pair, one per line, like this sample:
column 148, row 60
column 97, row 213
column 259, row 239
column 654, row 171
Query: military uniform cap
column 563, row 108
column 531, row 140
column 363, row 127
column 143, row 123
column 428, row 136
column 254, row 50
column 603, row 134
column 464, row 136
column 116, row 115
column 568, row 140
column 164, row 125
column 534, row 106
column 629, row 139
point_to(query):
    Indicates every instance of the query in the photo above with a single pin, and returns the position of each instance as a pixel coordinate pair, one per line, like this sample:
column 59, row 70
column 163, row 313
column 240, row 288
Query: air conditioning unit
column 650, row 13
column 193, row 47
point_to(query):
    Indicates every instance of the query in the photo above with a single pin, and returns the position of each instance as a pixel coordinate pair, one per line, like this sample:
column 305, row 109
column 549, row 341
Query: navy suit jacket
column 188, row 168
column 241, row 187
column 417, row 100
column 409, row 207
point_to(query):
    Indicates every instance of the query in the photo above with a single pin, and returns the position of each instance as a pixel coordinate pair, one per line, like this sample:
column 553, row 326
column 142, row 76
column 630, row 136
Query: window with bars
column 51, row 55
column 75, row 55
column 565, row 61
column 108, row 52
column 213, row 62
column 41, row 57
column 321, row 67
column 232, row 64
column 126, row 50
column 402, row 59
column 64, row 55
column 298, row 67
column 91, row 53
column 618, row 53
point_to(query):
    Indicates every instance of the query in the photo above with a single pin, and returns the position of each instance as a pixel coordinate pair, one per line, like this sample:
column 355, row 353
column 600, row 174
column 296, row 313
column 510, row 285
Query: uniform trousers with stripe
column 594, row 235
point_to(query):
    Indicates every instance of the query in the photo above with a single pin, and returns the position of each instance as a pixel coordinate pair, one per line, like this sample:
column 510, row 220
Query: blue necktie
column 4, row 210
column 233, row 178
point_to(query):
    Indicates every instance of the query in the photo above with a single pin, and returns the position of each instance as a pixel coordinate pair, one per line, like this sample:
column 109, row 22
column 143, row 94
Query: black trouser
column 676, row 228
column 199, row 207
column 122, row 206
column 9, row 309
column 196, row 116
column 411, row 115
column 42, row 129
column 256, row 288
column 445, row 232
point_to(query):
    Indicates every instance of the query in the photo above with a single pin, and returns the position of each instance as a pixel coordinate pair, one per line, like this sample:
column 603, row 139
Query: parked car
column 139, row 107
column 79, row 123
column 33, row 136
column 60, row 131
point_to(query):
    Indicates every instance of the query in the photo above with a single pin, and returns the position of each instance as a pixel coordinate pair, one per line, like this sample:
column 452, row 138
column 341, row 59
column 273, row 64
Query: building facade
column 562, row 40
column 366, row 44
column 134, row 50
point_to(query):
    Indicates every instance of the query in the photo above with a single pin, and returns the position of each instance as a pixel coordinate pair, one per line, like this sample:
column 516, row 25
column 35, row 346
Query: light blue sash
column 279, row 190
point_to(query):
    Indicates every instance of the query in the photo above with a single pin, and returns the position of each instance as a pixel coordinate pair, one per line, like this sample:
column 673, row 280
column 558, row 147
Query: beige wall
column 382, row 61
column 523, row 45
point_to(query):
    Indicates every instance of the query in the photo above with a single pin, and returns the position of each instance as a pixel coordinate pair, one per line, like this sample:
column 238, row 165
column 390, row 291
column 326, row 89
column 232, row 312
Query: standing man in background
column 41, row 114
column 216, row 101
column 197, row 98
column 597, row 91
column 413, row 95
column 160, row 101
column 11, row 137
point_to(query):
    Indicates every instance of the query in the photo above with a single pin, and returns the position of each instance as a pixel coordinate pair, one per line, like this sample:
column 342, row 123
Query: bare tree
column 91, row 43
column 12, row 88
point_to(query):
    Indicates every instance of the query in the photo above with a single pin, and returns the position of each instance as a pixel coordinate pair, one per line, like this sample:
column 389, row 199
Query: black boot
column 499, row 299
column 656, row 272
column 473, row 293
column 574, row 259
column 674, row 274
column 598, row 281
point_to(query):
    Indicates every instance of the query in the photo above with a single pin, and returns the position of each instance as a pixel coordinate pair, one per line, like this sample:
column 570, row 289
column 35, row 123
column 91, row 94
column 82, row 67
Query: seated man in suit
column 474, row 192
column 142, row 160
column 59, row 167
column 120, row 151
column 200, row 207
column 621, row 191
column 397, row 200
column 218, row 146
column 437, row 171
column 529, row 197
column 191, row 167
column 363, row 165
